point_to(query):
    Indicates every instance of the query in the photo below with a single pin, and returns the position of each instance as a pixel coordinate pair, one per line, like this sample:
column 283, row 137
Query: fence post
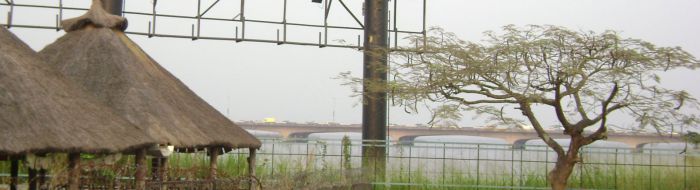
column 272, row 162
column 512, row 166
column 685, row 172
column 478, row 158
column 410, row 155
column 546, row 164
column 580, row 168
column 651, row 151
column 444, row 149
column 615, row 169
column 521, row 167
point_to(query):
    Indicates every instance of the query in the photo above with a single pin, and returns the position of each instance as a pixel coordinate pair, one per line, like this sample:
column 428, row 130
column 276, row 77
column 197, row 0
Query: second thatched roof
column 42, row 112
column 96, row 53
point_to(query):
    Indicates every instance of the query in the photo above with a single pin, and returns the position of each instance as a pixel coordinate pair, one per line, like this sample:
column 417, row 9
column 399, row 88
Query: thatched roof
column 116, row 70
column 42, row 112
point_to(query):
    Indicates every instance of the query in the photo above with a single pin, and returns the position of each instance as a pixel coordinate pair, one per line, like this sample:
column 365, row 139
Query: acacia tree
column 583, row 76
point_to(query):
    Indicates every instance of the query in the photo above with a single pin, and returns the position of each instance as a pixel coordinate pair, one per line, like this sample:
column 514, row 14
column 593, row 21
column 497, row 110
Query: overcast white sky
column 251, row 81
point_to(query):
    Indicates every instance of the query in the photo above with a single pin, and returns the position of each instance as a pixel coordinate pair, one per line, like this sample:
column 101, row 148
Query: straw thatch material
column 97, row 17
column 116, row 70
column 42, row 112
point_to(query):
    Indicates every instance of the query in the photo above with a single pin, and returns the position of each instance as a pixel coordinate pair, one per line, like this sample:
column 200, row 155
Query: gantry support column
column 115, row 7
column 374, row 107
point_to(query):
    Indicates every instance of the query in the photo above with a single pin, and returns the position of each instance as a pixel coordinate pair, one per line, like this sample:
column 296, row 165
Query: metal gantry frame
column 240, row 31
column 376, row 46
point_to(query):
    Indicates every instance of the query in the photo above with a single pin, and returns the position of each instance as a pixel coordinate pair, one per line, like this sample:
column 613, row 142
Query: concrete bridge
column 516, row 137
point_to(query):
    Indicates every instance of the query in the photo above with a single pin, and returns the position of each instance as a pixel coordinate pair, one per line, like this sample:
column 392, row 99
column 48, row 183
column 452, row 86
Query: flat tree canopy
column 582, row 77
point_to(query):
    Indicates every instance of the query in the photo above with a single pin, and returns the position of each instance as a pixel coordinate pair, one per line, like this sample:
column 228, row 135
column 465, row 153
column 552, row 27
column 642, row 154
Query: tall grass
column 315, row 171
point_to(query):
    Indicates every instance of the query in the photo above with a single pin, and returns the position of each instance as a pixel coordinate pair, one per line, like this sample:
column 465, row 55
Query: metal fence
column 329, row 164
column 429, row 165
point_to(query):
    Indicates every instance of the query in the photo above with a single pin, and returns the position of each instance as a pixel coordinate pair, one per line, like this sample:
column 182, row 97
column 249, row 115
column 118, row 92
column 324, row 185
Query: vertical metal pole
column 444, row 157
column 153, row 32
column 10, row 14
column 410, row 155
column 199, row 16
column 546, row 165
column 325, row 22
column 512, row 167
column 520, row 180
column 685, row 170
column 284, row 24
column 580, row 168
column 615, row 169
column 478, row 157
column 374, row 108
column 115, row 7
column 272, row 173
column 425, row 37
column 242, row 19
column 650, row 167
column 60, row 14
column 396, row 30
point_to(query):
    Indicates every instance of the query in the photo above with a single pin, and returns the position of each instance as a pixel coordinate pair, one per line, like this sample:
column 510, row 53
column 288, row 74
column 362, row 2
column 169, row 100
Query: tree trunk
column 559, row 176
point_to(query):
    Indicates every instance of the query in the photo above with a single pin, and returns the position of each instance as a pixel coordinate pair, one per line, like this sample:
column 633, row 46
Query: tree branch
column 527, row 111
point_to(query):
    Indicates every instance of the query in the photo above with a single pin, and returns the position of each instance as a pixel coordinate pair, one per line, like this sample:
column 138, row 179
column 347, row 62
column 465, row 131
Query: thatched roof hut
column 40, row 111
column 97, row 54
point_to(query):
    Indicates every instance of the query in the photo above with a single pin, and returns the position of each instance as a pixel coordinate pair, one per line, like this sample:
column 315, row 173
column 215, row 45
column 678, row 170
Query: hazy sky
column 251, row 81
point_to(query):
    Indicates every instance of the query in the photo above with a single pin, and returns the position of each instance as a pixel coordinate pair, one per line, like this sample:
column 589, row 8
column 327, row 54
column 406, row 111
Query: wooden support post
column 32, row 179
column 251, row 168
column 163, row 175
column 73, row 171
column 155, row 168
column 140, row 175
column 213, row 157
column 14, row 173
column 42, row 179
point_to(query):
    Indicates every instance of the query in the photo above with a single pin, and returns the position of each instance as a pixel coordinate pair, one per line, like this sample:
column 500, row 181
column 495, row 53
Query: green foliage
column 347, row 152
column 582, row 77
column 692, row 137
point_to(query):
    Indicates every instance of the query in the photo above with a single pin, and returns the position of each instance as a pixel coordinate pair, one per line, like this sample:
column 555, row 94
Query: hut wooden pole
column 140, row 174
column 14, row 173
column 163, row 175
column 213, row 157
column 155, row 168
column 251, row 168
column 163, row 169
column 74, row 171
column 42, row 178
column 32, row 179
